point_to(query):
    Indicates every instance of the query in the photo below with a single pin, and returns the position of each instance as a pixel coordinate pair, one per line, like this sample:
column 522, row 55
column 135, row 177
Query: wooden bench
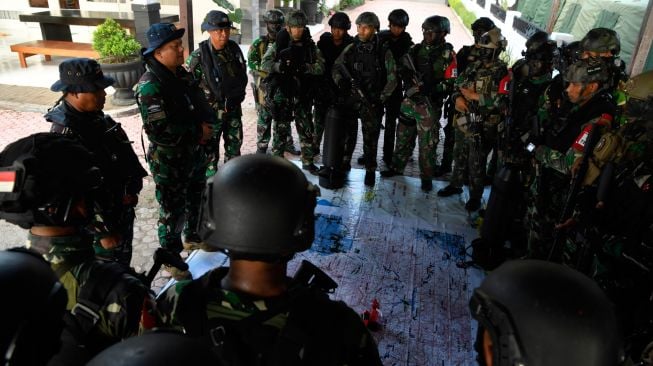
column 52, row 48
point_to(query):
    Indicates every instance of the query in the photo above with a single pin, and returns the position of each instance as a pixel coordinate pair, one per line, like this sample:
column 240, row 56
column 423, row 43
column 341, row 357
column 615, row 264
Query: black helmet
column 368, row 18
column 274, row 16
column 480, row 26
column 340, row 20
column 436, row 23
column 601, row 40
column 160, row 347
column 569, row 54
column 261, row 206
column 32, row 321
column 45, row 174
column 297, row 18
column 398, row 17
column 539, row 313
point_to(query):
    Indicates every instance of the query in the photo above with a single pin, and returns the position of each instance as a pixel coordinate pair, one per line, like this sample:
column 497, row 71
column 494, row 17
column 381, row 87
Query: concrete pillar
column 146, row 13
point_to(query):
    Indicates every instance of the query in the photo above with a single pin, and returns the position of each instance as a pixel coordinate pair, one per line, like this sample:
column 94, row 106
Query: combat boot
column 449, row 191
column 291, row 150
column 473, row 204
column 370, row 178
column 312, row 168
column 427, row 184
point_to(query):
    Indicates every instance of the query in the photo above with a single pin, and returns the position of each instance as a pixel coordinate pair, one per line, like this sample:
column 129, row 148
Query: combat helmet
column 588, row 71
column 480, row 26
column 297, row 18
column 436, row 23
column 340, row 20
column 44, row 175
column 368, row 18
column 540, row 313
column 259, row 206
column 398, row 17
column 158, row 347
column 601, row 40
column 274, row 16
column 491, row 43
column 639, row 89
column 32, row 321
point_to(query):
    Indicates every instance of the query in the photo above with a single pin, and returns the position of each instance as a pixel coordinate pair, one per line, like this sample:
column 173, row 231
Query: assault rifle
column 574, row 188
column 366, row 106
column 417, row 83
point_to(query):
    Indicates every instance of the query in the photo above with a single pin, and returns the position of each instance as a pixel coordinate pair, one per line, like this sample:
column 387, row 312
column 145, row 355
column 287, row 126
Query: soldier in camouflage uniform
column 292, row 63
column 54, row 187
column 177, row 120
column 398, row 41
column 427, row 72
column 562, row 148
column 251, row 312
column 331, row 45
column 464, row 57
column 366, row 71
column 274, row 20
column 480, row 99
column 79, row 115
column 220, row 67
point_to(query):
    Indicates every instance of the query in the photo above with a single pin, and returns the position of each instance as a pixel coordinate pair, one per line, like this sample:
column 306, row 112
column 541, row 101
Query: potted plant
column 235, row 15
column 119, row 59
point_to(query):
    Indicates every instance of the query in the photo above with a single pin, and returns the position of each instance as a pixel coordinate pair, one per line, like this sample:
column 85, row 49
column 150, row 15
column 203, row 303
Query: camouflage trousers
column 371, row 128
column 264, row 129
column 304, row 125
column 546, row 198
column 122, row 253
column 417, row 121
column 230, row 128
column 470, row 155
column 392, row 110
column 179, row 177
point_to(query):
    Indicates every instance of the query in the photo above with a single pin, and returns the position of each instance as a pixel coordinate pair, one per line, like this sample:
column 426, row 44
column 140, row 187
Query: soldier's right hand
column 207, row 133
column 461, row 105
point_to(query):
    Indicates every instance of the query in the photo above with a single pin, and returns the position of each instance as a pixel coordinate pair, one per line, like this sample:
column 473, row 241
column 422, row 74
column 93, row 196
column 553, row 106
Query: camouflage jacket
column 255, row 55
column 336, row 337
column 270, row 62
column 376, row 70
column 490, row 82
column 73, row 260
column 222, row 74
column 172, row 108
column 435, row 70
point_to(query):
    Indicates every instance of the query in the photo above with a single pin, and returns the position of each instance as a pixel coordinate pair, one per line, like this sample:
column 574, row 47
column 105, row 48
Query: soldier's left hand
column 470, row 94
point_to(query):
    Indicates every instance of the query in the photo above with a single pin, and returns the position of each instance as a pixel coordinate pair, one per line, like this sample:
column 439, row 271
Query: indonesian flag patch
column 7, row 181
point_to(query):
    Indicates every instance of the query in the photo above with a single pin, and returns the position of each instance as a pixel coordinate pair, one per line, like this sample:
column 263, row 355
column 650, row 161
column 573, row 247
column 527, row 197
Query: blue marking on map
column 323, row 202
column 452, row 244
column 331, row 235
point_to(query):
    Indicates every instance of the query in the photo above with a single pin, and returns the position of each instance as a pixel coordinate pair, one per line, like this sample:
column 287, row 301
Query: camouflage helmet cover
column 368, row 18
column 588, row 71
column 493, row 39
column 297, row 18
column 640, row 86
column 436, row 23
column 601, row 40
column 274, row 16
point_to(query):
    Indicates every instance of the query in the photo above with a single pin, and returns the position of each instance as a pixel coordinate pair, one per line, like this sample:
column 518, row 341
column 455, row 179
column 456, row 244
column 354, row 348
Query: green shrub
column 465, row 15
column 114, row 44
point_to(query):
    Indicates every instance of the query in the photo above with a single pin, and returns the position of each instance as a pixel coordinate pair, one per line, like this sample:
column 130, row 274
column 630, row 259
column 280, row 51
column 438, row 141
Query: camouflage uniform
column 291, row 92
column 119, row 311
column 225, row 95
column 336, row 337
column 436, row 68
column 472, row 147
column 399, row 46
column 264, row 121
column 172, row 110
column 374, row 67
column 122, row 171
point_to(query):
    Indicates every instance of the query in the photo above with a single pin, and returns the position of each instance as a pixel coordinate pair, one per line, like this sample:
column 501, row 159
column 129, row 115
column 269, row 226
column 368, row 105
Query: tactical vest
column 432, row 62
column 330, row 51
column 398, row 46
column 294, row 86
column 366, row 62
column 225, row 71
column 526, row 101
column 292, row 331
column 486, row 80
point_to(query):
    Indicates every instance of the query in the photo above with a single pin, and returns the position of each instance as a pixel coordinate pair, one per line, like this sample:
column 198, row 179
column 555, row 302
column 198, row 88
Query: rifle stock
column 366, row 106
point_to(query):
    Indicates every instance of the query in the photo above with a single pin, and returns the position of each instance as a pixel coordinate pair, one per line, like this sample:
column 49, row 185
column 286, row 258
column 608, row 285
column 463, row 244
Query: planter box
column 498, row 12
column 524, row 27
